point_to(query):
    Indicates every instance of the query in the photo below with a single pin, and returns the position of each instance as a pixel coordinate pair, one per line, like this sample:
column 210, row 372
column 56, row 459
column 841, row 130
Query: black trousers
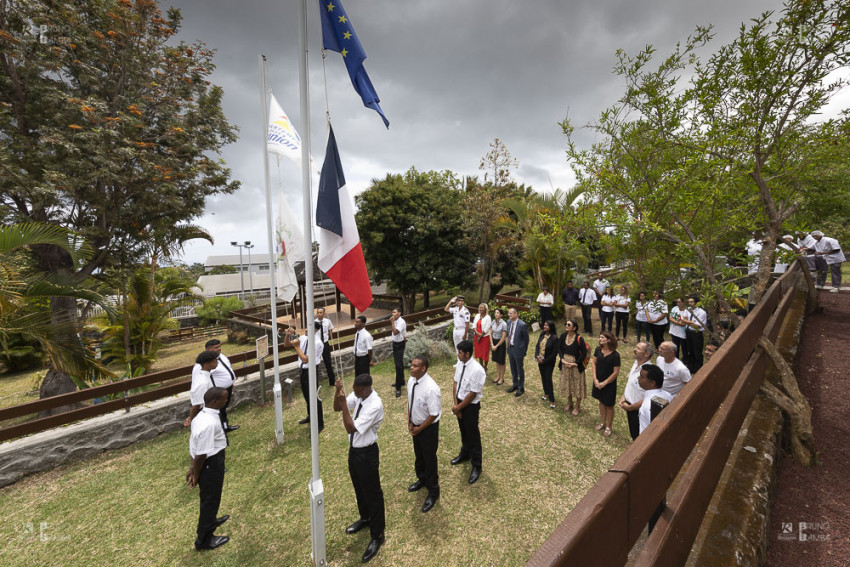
column 681, row 347
column 695, row 342
column 398, row 358
column 606, row 316
column 425, row 452
column 545, row 315
column 363, row 467
column 634, row 422
column 361, row 365
column 329, row 366
column 222, row 413
column 305, row 391
column 586, row 313
column 622, row 319
column 210, row 484
column 546, row 377
column 657, row 334
column 470, row 434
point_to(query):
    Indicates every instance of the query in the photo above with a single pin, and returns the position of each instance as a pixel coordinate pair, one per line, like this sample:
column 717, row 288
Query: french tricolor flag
column 340, row 253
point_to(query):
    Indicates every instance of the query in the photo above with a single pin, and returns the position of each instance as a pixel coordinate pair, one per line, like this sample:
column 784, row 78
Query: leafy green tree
column 145, row 315
column 412, row 227
column 217, row 309
column 108, row 126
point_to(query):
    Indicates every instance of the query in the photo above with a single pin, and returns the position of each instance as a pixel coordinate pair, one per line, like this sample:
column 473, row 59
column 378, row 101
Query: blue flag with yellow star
column 338, row 35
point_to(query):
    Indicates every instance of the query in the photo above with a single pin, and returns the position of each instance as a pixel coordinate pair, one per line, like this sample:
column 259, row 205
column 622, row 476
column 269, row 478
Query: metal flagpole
column 316, row 488
column 278, row 397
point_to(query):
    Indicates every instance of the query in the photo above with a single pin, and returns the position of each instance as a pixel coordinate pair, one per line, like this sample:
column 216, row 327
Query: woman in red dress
column 481, row 330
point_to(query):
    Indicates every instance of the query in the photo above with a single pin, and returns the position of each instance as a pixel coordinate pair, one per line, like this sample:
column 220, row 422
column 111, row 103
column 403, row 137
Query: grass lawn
column 131, row 507
column 18, row 388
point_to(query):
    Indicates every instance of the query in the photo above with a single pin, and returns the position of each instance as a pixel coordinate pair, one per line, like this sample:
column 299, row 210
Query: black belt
column 364, row 448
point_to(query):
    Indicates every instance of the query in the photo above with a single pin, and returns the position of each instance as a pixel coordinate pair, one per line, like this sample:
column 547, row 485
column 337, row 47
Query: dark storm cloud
column 451, row 76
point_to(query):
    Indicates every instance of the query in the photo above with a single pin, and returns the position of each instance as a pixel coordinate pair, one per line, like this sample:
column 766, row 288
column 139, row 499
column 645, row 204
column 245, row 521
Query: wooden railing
column 168, row 383
column 705, row 419
column 191, row 333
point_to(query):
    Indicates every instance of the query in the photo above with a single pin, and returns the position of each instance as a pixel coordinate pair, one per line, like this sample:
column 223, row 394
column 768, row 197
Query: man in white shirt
column 325, row 332
column 424, row 409
column 586, row 298
column 829, row 249
column 599, row 286
column 460, row 318
column 201, row 382
column 468, row 385
column 363, row 457
column 695, row 320
column 301, row 349
column 363, row 362
column 632, row 396
column 545, row 301
column 223, row 376
column 805, row 245
column 206, row 449
column 676, row 374
column 652, row 381
column 399, row 327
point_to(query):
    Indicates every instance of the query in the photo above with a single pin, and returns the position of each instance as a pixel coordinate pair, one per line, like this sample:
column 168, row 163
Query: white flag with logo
column 281, row 137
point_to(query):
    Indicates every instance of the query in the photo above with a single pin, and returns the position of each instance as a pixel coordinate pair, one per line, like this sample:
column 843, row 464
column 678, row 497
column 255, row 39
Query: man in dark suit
column 517, row 348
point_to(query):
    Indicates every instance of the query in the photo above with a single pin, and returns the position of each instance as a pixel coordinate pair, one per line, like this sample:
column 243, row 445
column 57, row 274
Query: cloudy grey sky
column 452, row 75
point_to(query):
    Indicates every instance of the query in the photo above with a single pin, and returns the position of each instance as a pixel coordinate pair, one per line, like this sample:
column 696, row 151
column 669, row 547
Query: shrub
column 419, row 342
column 217, row 309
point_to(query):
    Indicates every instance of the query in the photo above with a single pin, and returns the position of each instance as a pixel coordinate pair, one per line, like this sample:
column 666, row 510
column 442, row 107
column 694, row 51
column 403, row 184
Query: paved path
column 810, row 522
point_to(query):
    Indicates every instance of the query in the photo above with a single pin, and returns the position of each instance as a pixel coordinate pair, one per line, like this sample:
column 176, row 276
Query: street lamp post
column 241, row 269
column 248, row 246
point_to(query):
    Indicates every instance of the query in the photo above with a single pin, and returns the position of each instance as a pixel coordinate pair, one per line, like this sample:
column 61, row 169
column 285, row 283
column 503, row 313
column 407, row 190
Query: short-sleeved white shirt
column 608, row 308
column 586, row 296
column 427, row 401
column 676, row 375
column 460, row 316
column 656, row 308
column 200, row 384
column 645, row 411
column 545, row 299
column 620, row 299
column 676, row 330
column 640, row 310
column 825, row 245
column 362, row 342
column 401, row 327
column 304, row 344
column 223, row 374
column 369, row 418
column 327, row 327
column 600, row 285
column 473, row 379
column 696, row 314
column 207, row 437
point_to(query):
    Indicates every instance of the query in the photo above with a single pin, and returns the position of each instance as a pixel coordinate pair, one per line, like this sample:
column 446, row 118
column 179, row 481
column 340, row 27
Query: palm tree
column 25, row 296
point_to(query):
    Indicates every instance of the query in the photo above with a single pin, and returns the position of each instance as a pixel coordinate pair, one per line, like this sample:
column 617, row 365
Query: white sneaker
column 834, row 290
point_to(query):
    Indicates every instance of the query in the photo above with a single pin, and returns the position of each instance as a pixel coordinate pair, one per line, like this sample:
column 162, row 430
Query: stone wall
column 61, row 445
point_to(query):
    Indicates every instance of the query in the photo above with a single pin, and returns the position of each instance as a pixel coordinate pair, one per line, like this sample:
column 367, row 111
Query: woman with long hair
column 641, row 321
column 572, row 351
column 498, row 343
column 546, row 354
column 606, row 368
column 481, row 335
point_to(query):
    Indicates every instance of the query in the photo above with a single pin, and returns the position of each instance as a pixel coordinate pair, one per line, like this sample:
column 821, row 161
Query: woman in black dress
column 606, row 368
column 546, row 354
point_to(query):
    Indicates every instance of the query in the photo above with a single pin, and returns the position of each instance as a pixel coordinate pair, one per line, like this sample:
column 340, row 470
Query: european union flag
column 338, row 35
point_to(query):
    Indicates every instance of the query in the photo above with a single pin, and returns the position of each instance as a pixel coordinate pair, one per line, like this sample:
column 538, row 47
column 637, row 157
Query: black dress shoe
column 460, row 459
column 221, row 520
column 473, row 476
column 429, row 503
column 397, row 395
column 416, row 485
column 356, row 526
column 373, row 547
column 212, row 543
column 519, row 393
column 513, row 389
column 230, row 428
column 305, row 420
